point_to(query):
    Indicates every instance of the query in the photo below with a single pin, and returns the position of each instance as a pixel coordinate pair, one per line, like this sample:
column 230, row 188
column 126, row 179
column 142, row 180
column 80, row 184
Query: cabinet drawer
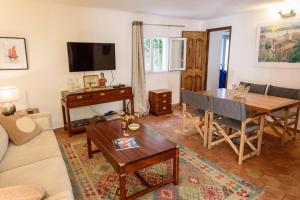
column 161, row 96
column 164, row 108
column 78, row 97
column 163, row 101
column 160, row 102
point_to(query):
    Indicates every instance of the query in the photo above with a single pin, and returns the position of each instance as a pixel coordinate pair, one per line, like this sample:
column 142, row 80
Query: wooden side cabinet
column 160, row 102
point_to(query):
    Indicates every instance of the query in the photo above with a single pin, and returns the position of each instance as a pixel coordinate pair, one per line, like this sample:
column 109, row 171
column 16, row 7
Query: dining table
column 264, row 104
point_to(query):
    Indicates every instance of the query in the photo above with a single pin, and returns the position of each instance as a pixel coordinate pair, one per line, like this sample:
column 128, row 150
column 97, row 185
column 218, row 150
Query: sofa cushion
column 3, row 142
column 19, row 129
column 50, row 174
column 42, row 147
column 22, row 192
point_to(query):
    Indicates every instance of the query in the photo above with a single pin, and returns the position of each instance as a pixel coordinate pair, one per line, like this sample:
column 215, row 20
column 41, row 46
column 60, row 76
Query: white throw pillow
column 3, row 142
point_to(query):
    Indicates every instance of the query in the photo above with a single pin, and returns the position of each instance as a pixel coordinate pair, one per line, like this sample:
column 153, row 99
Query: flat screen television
column 91, row 56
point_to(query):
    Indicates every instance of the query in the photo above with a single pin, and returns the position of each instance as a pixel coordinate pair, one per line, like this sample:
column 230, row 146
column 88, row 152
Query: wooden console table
column 83, row 98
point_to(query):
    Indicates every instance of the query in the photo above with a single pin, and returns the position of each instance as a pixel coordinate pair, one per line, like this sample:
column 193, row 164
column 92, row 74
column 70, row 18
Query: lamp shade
column 8, row 94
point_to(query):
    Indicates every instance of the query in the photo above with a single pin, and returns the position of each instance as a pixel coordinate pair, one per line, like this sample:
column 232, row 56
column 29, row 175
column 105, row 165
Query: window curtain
column 138, row 69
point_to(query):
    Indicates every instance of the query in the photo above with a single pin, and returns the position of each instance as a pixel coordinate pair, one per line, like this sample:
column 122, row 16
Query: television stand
column 95, row 96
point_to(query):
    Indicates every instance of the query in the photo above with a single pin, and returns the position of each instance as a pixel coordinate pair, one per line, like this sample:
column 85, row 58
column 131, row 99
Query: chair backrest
column 228, row 108
column 258, row 88
column 284, row 92
column 245, row 84
column 195, row 99
column 255, row 88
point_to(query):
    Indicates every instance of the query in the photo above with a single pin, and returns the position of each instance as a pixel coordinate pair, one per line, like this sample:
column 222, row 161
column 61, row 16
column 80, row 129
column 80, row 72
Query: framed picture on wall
column 278, row 44
column 13, row 55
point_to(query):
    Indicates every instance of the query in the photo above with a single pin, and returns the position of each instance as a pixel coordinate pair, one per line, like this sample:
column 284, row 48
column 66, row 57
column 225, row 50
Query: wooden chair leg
column 285, row 126
column 206, row 125
column 296, row 123
column 261, row 133
column 209, row 138
column 242, row 143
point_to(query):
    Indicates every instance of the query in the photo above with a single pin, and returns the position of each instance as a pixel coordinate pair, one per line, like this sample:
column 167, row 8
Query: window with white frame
column 164, row 54
column 156, row 53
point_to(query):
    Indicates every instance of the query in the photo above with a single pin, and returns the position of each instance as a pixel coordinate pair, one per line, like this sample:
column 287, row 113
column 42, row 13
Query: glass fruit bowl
column 240, row 90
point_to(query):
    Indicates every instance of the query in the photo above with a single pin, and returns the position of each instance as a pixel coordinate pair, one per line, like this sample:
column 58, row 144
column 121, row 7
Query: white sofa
column 37, row 162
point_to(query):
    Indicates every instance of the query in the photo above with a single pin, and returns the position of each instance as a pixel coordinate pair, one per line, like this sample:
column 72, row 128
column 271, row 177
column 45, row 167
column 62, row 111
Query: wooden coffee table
column 154, row 148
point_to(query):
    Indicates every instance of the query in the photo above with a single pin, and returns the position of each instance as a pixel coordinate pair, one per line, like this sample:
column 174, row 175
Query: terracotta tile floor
column 277, row 170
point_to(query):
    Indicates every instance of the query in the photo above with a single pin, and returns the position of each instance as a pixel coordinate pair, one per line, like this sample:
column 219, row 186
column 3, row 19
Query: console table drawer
column 122, row 91
column 99, row 94
column 78, row 97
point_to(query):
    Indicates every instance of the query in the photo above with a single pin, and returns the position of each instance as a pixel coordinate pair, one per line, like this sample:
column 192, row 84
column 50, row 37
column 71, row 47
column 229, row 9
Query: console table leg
column 122, row 178
column 69, row 122
column 89, row 146
column 176, row 167
column 124, row 106
column 132, row 106
column 64, row 117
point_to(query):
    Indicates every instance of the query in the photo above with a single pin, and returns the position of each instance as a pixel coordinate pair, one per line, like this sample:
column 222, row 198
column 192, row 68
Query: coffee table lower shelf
column 164, row 156
column 149, row 188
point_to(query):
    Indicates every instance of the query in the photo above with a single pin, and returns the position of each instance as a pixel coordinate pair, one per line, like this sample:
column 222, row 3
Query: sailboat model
column 12, row 53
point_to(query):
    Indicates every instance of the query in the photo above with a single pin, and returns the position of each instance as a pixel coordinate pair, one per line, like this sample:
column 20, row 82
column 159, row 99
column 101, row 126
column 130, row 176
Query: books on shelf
column 125, row 143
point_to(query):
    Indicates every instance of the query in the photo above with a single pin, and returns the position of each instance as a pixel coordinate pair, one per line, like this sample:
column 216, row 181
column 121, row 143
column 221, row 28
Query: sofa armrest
column 43, row 120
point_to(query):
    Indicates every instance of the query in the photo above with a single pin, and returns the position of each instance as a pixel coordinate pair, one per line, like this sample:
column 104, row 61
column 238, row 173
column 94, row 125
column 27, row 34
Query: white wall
column 242, row 53
column 48, row 26
column 214, row 58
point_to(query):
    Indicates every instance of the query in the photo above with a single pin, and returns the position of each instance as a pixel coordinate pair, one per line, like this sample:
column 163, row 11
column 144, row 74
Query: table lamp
column 7, row 96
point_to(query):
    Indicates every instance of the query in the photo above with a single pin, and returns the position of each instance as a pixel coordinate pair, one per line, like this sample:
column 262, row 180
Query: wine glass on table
column 124, row 128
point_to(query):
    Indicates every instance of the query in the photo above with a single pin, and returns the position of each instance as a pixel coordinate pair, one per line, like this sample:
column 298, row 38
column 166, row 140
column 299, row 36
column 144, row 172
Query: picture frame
column 91, row 81
column 278, row 44
column 13, row 53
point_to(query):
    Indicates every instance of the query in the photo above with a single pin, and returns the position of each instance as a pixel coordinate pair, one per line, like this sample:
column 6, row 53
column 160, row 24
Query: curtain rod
column 168, row 25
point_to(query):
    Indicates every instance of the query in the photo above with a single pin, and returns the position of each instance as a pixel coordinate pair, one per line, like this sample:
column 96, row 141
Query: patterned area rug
column 199, row 178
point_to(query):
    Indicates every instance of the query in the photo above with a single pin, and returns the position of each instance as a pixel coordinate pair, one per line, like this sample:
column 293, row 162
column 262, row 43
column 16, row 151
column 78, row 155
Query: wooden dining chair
column 284, row 122
column 255, row 88
column 234, row 116
column 198, row 108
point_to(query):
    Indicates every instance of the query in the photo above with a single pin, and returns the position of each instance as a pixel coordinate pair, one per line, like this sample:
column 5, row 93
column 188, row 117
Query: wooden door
column 193, row 78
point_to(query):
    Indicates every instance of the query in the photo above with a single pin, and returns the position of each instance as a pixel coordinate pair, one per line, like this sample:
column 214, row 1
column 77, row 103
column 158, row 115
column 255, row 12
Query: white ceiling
column 195, row 9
